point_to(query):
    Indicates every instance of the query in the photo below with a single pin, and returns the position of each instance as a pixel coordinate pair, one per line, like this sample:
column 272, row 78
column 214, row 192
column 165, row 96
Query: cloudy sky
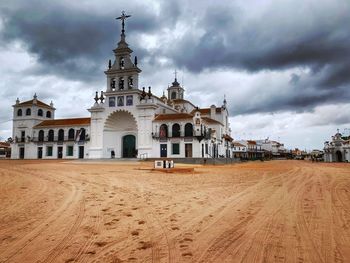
column 283, row 65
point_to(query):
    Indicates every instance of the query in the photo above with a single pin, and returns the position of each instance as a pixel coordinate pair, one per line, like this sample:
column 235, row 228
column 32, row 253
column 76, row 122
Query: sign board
column 163, row 164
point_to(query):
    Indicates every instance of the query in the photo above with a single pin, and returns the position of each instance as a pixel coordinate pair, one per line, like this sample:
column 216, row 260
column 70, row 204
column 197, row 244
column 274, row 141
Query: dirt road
column 280, row 211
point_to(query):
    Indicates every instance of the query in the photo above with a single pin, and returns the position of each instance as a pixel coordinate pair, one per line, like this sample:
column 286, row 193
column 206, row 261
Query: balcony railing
column 55, row 139
column 198, row 135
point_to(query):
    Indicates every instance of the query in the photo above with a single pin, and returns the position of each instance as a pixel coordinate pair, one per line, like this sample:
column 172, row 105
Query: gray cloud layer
column 73, row 43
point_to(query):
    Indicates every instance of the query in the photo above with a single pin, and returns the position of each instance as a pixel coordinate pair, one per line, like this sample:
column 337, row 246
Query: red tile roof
column 182, row 101
column 65, row 122
column 206, row 110
column 227, row 137
column 251, row 142
column 237, row 144
column 174, row 116
column 211, row 121
column 31, row 102
column 5, row 145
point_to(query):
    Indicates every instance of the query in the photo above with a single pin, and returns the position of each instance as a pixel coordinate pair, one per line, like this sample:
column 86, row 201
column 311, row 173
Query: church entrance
column 339, row 156
column 120, row 135
column 129, row 146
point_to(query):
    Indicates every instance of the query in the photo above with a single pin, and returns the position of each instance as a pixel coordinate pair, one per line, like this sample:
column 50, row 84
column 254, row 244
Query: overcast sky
column 283, row 65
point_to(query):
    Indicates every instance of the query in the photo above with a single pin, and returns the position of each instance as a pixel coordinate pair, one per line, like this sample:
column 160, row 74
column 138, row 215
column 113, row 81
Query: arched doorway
column 339, row 156
column 129, row 146
column 120, row 135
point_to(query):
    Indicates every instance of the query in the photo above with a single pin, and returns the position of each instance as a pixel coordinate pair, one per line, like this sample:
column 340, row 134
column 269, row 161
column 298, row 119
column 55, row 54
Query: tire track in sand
column 56, row 251
column 224, row 241
column 28, row 238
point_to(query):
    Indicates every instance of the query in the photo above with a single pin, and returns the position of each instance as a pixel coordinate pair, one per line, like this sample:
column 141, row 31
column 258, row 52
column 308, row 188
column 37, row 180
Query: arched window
column 41, row 136
column 163, row 131
column 51, row 136
column 121, row 83
column 28, row 112
column 61, row 135
column 19, row 112
column 113, row 81
column 173, row 95
column 130, row 82
column 188, row 130
column 176, row 130
column 122, row 63
column 48, row 114
column 82, row 134
column 40, row 112
column 71, row 134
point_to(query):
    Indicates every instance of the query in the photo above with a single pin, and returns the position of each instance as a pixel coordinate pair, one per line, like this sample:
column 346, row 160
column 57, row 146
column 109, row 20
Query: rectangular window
column 49, row 151
column 129, row 100
column 70, row 150
column 176, row 148
column 111, row 101
column 120, row 100
column 206, row 148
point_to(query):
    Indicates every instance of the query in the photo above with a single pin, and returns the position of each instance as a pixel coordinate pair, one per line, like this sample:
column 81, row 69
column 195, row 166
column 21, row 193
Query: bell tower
column 175, row 91
column 123, row 74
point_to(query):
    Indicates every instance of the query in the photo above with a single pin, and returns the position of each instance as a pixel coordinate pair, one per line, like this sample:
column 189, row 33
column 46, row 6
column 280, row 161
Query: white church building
column 338, row 149
column 125, row 122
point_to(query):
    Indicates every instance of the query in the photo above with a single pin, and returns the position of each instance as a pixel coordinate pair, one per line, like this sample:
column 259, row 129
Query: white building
column 337, row 150
column 125, row 122
column 274, row 148
column 239, row 150
column 253, row 149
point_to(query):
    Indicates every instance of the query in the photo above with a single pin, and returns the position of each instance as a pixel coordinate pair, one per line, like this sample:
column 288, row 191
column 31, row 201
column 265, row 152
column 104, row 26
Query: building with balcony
column 125, row 122
column 273, row 149
column 239, row 150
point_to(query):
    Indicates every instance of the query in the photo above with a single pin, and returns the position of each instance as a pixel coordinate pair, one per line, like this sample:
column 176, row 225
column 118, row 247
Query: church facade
column 338, row 149
column 125, row 122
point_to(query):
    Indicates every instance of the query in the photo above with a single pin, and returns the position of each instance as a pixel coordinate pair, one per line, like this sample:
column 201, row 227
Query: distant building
column 5, row 150
column 337, row 150
column 298, row 154
column 273, row 149
column 253, row 149
column 239, row 150
column 316, row 155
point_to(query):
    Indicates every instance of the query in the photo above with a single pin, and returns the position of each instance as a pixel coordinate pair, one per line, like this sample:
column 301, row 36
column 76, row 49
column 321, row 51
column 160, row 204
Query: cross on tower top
column 122, row 18
column 175, row 73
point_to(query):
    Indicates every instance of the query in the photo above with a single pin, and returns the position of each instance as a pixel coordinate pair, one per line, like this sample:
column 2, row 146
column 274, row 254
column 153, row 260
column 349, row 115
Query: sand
column 278, row 211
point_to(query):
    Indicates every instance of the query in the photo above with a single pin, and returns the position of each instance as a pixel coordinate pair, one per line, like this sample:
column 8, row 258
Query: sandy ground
column 280, row 211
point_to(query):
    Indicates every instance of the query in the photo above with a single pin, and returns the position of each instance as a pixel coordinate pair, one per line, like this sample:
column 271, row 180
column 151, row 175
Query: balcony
column 200, row 136
column 22, row 139
column 60, row 140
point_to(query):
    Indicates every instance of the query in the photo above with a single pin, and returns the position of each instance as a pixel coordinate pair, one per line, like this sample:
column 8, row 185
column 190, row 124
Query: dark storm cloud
column 270, row 41
column 299, row 96
column 67, row 42
column 76, row 43
column 317, row 37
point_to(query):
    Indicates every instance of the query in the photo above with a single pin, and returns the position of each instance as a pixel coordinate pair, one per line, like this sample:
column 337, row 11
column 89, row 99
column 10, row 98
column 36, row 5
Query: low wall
column 199, row 160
